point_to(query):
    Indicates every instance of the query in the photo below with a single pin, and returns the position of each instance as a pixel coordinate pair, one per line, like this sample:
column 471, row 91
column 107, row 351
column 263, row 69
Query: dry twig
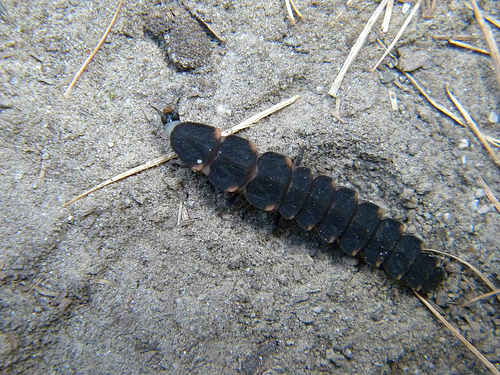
column 355, row 49
column 428, row 9
column 165, row 158
column 121, row 176
column 482, row 296
column 487, row 17
column 490, row 39
column 398, row 35
column 491, row 196
column 91, row 56
column 259, row 116
column 457, row 334
column 290, row 8
column 387, row 16
column 464, row 262
column 468, row 46
column 442, row 108
column 473, row 126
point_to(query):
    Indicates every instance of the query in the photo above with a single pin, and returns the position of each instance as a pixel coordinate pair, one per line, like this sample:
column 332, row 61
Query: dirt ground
column 113, row 284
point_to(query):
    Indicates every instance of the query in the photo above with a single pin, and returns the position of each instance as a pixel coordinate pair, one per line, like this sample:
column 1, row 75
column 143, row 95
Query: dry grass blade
column 464, row 262
column 182, row 215
column 259, row 116
column 482, row 296
column 44, row 292
column 457, row 334
column 429, row 9
column 487, row 17
column 91, row 56
column 163, row 159
column 400, row 32
column 387, row 16
column 121, row 176
column 413, row 81
column 290, row 8
column 473, row 126
column 468, row 46
column 438, row 106
column 491, row 196
column 355, row 49
column 490, row 39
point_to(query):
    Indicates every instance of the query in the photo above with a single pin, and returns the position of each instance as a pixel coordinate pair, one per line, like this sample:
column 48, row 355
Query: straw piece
column 462, row 38
column 492, row 140
column 464, row 262
column 468, row 46
column 182, row 215
column 400, row 32
column 101, row 42
column 259, row 116
column 163, row 159
column 490, row 39
column 457, row 334
column 428, row 9
column 482, row 296
column 355, row 49
column 290, row 8
column 473, row 126
column 491, row 196
column 296, row 9
column 387, row 16
column 487, row 17
column 121, row 176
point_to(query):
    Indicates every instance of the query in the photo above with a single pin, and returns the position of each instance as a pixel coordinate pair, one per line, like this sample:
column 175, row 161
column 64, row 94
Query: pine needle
column 490, row 39
column 457, row 334
column 163, row 159
column 473, row 126
column 91, row 56
column 355, row 49
column 398, row 35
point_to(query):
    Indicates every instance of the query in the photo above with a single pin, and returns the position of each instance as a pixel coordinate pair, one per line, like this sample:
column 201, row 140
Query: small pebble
column 483, row 209
column 111, row 144
column 464, row 143
column 493, row 117
column 347, row 353
column 406, row 8
column 317, row 309
column 474, row 205
column 479, row 193
column 305, row 317
column 387, row 77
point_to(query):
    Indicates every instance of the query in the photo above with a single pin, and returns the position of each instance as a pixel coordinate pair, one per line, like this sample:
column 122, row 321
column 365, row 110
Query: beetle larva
column 271, row 182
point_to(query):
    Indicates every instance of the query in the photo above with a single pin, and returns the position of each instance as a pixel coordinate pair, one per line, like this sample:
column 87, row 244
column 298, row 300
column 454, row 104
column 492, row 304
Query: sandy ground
column 112, row 284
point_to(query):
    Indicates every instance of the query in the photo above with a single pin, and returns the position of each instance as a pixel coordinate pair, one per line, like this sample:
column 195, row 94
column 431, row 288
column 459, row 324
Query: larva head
column 169, row 118
column 195, row 144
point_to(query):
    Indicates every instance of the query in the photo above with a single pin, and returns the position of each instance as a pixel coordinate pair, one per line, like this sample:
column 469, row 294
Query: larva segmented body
column 271, row 182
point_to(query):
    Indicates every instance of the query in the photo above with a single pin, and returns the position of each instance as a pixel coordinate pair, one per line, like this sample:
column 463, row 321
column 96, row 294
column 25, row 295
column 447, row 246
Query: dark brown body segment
column 421, row 270
column 196, row 142
column 400, row 260
column 339, row 215
column 383, row 241
column 233, row 163
column 361, row 228
column 322, row 192
column 270, row 182
column 297, row 194
column 267, row 188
